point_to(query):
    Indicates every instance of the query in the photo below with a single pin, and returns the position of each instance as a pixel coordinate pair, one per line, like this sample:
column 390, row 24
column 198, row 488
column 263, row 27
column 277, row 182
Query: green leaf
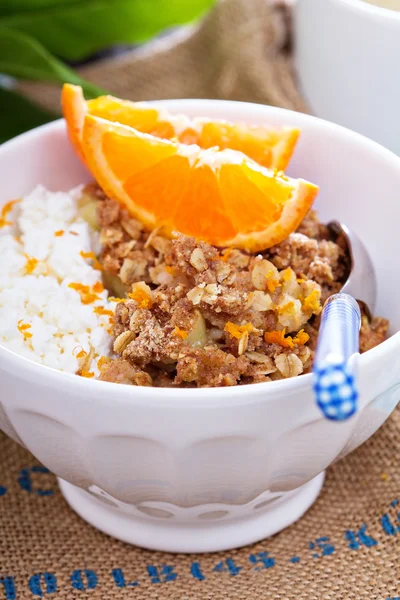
column 21, row 115
column 12, row 7
column 24, row 58
column 75, row 29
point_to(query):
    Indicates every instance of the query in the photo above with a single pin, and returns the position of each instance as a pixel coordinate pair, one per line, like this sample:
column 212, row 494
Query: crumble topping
column 189, row 314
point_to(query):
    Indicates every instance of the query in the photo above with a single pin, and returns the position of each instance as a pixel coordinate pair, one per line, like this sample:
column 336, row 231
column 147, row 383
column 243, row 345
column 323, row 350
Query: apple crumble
column 189, row 314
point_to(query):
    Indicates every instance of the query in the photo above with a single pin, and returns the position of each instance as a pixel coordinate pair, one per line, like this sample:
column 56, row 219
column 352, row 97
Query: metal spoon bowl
column 361, row 282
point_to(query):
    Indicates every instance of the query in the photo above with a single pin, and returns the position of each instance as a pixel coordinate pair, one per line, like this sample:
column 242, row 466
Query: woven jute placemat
column 347, row 547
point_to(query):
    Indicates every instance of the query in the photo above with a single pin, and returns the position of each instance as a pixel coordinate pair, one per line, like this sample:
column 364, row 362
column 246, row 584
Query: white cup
column 348, row 64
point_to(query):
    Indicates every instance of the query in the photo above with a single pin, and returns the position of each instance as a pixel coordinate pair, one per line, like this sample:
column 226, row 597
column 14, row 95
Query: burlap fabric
column 241, row 51
column 347, row 546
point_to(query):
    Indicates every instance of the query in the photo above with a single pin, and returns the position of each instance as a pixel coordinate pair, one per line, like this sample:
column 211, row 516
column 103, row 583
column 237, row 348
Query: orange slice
column 271, row 147
column 74, row 109
column 220, row 196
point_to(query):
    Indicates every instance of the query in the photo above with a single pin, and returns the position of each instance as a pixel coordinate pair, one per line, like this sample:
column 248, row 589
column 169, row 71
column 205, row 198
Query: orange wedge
column 271, row 147
column 219, row 196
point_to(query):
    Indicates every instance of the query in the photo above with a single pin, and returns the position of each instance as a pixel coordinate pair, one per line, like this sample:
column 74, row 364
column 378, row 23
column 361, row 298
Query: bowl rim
column 177, row 396
column 180, row 396
column 371, row 11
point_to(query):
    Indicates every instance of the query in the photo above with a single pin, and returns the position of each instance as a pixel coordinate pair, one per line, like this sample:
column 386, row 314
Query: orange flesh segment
column 221, row 197
column 123, row 111
column 269, row 146
column 148, row 194
column 263, row 206
column 201, row 211
column 135, row 156
column 265, row 145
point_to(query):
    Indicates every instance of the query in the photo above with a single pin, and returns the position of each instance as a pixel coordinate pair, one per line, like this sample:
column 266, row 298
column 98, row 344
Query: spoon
column 361, row 282
column 335, row 364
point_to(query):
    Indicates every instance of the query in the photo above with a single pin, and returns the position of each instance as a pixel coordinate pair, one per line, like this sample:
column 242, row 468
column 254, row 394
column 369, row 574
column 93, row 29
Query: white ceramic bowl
column 207, row 469
column 347, row 59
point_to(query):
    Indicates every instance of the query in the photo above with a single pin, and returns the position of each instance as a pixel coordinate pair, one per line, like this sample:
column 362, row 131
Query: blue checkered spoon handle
column 335, row 382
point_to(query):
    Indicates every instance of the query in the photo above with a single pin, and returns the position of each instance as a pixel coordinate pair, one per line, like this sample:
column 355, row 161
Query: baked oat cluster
column 192, row 315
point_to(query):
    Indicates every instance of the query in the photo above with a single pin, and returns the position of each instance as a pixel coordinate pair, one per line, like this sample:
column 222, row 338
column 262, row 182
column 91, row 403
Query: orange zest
column 104, row 312
column 269, row 146
column 226, row 254
column 98, row 266
column 238, row 331
column 5, row 211
column 88, row 294
column 59, row 232
column 23, row 327
column 140, row 296
column 103, row 360
column 221, row 197
column 170, row 270
column 98, row 287
column 278, row 337
column 100, row 310
column 31, row 264
column 224, row 257
column 91, row 256
column 272, row 284
column 312, row 302
column 301, row 338
column 88, row 374
column 181, row 333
